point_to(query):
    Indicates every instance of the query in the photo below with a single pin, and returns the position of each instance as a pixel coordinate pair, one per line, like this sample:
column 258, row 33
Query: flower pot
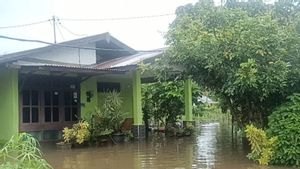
column 118, row 137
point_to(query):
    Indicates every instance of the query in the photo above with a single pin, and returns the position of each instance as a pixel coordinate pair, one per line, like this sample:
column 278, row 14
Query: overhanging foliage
column 251, row 60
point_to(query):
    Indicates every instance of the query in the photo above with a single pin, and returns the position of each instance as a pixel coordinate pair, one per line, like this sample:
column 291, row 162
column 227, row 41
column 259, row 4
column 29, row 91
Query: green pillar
column 138, row 126
column 137, row 98
column 188, row 104
column 9, row 105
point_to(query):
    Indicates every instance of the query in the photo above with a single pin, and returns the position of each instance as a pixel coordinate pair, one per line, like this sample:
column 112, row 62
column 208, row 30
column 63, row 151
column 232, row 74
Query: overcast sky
column 140, row 34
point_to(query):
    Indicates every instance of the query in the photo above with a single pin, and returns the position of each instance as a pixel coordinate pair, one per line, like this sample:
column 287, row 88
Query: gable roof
column 81, row 42
column 104, row 43
column 116, row 65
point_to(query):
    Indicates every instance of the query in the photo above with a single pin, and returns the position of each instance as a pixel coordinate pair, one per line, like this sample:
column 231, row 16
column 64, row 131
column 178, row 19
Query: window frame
column 30, row 106
column 105, row 87
column 40, row 83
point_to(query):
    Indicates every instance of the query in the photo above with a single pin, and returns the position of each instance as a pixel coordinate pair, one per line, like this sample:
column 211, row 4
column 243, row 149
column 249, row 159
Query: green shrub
column 112, row 110
column 79, row 133
column 163, row 102
column 107, row 119
column 262, row 148
column 68, row 135
column 285, row 124
column 21, row 152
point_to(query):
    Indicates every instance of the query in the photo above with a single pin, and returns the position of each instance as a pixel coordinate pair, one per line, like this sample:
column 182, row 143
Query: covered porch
column 51, row 97
column 43, row 99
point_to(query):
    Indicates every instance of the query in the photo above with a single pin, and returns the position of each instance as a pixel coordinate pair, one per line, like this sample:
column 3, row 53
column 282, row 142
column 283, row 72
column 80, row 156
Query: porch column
column 138, row 126
column 188, row 104
column 9, row 105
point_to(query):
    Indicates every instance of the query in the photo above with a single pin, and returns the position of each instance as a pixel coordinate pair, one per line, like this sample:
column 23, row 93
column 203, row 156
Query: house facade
column 46, row 89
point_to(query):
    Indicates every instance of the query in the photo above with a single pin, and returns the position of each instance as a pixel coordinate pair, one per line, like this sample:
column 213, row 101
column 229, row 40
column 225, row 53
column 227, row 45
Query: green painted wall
column 130, row 92
column 126, row 92
column 137, row 98
column 88, row 107
column 188, row 104
column 97, row 100
column 9, row 104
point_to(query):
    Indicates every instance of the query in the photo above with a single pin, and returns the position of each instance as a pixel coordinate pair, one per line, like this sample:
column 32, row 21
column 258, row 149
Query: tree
column 252, row 7
column 164, row 101
column 249, row 60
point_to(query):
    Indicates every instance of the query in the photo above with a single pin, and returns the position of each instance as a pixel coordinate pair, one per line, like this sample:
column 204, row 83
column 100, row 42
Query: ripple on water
column 210, row 148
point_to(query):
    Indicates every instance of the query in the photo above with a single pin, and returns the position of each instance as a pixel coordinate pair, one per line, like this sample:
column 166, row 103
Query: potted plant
column 106, row 121
column 77, row 135
column 100, row 132
column 68, row 136
column 111, row 111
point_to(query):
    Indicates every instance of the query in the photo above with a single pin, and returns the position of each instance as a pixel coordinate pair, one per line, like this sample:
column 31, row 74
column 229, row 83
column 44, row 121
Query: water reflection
column 210, row 148
column 206, row 146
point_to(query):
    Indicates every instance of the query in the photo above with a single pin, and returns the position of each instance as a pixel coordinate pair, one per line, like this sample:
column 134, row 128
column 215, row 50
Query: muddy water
column 210, row 148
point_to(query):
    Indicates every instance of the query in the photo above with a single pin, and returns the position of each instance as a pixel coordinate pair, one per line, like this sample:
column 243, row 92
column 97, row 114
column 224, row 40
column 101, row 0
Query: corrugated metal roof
column 62, row 67
column 121, row 64
column 71, row 69
column 40, row 62
column 128, row 60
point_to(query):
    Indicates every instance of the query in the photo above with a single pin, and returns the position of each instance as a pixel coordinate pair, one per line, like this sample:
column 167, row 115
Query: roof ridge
column 93, row 38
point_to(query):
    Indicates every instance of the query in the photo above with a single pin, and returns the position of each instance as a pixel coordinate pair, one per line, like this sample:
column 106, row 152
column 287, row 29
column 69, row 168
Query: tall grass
column 211, row 113
column 22, row 152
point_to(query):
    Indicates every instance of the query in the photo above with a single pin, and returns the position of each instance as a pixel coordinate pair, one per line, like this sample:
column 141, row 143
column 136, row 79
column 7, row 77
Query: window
column 71, row 105
column 30, row 106
column 48, row 103
column 51, row 108
column 108, row 87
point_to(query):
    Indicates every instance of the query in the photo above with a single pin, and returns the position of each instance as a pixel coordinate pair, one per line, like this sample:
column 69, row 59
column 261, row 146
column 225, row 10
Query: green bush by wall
column 262, row 147
column 285, row 124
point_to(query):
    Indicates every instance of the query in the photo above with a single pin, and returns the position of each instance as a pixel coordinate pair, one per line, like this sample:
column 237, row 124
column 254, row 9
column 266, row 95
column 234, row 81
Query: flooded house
column 46, row 89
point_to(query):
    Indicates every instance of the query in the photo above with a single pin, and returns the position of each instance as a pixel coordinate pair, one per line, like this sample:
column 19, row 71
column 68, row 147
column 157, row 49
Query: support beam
column 9, row 105
column 188, row 104
column 138, row 125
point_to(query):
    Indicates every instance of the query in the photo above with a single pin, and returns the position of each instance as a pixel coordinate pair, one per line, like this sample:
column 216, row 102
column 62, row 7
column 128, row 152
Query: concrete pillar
column 188, row 104
column 9, row 104
column 138, row 125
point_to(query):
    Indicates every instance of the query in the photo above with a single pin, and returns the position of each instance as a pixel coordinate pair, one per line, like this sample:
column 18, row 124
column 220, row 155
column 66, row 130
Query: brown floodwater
column 210, row 148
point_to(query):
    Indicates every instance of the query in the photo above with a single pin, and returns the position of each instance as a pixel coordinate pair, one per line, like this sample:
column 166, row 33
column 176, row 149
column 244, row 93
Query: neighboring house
column 46, row 89
column 206, row 100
